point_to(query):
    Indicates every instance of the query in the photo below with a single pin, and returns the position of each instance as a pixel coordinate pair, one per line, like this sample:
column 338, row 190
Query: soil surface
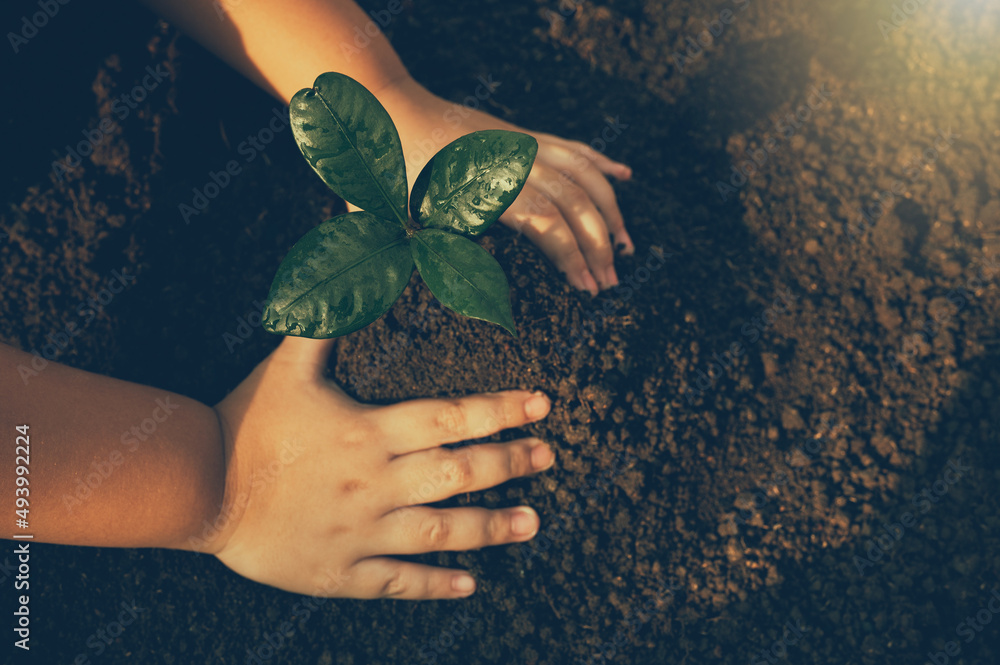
column 785, row 427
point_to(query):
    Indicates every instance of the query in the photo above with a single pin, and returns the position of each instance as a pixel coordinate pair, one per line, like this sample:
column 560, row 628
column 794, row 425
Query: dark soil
column 733, row 430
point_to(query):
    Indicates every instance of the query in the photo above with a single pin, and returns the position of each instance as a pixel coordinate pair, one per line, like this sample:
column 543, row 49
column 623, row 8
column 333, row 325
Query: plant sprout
column 349, row 270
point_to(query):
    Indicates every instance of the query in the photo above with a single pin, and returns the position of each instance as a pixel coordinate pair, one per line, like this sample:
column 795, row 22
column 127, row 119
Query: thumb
column 309, row 355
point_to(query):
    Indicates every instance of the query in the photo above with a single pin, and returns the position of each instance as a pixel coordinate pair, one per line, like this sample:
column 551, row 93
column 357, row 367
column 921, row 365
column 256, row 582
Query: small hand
column 567, row 206
column 321, row 489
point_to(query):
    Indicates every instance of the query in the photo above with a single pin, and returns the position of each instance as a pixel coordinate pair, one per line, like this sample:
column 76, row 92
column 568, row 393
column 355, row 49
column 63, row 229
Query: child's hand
column 567, row 207
column 321, row 489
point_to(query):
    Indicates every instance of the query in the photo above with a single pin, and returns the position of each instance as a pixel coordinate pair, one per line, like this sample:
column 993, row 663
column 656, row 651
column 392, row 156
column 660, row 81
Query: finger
column 538, row 218
column 382, row 577
column 587, row 175
column 420, row 529
column 433, row 475
column 425, row 423
column 584, row 219
column 604, row 163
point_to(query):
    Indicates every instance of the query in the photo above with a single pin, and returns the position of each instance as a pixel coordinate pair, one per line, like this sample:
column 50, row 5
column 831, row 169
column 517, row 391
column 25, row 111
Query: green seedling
column 349, row 270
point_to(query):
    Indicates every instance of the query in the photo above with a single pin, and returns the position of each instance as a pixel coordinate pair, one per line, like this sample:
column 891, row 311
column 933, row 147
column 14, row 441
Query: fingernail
column 625, row 172
column 626, row 241
column 463, row 584
column 542, row 456
column 524, row 522
column 536, row 406
column 611, row 277
column 589, row 283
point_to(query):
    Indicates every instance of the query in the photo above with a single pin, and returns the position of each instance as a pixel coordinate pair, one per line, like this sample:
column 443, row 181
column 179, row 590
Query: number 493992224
column 22, row 461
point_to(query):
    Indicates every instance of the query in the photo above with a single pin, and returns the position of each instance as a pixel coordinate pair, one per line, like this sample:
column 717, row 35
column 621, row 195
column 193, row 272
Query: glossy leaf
column 463, row 276
column 348, row 138
column 470, row 182
column 339, row 277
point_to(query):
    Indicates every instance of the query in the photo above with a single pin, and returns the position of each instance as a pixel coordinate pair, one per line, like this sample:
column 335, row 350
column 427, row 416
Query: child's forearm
column 112, row 463
column 284, row 47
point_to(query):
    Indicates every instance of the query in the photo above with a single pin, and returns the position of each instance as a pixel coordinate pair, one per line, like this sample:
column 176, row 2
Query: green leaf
column 339, row 277
column 470, row 182
column 463, row 276
column 348, row 138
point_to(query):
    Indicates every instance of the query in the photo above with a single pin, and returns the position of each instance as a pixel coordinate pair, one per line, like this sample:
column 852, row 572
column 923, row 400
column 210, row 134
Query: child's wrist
column 220, row 512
